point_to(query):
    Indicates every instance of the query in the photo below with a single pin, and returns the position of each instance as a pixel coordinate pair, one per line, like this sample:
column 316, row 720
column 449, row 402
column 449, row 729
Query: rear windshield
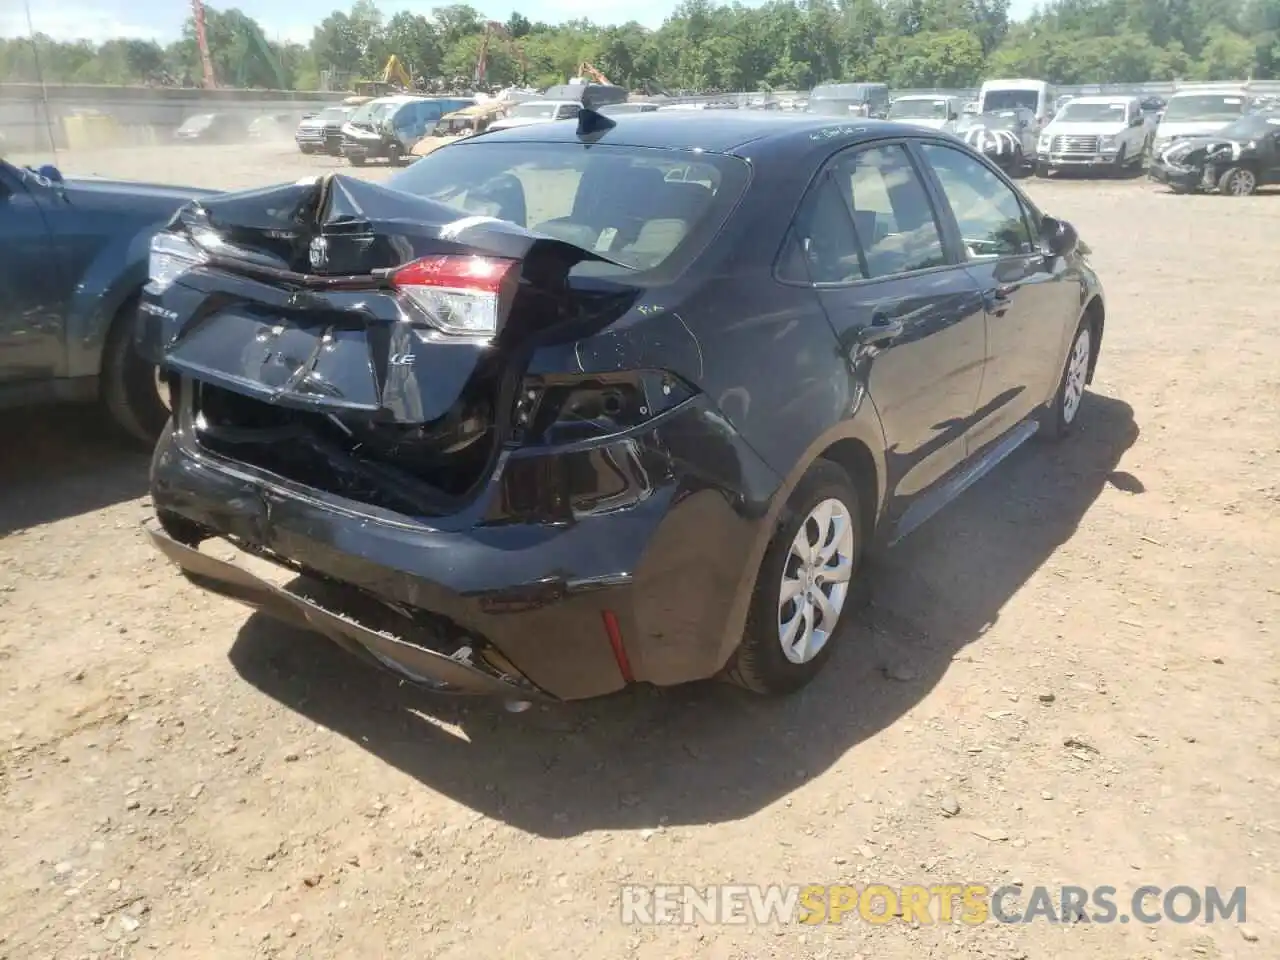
column 994, row 100
column 198, row 122
column 535, row 109
column 1003, row 120
column 1205, row 106
column 646, row 208
column 332, row 115
column 918, row 110
column 374, row 111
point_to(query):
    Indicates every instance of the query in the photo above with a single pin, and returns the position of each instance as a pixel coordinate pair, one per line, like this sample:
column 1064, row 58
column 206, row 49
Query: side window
column 821, row 246
column 892, row 215
column 991, row 218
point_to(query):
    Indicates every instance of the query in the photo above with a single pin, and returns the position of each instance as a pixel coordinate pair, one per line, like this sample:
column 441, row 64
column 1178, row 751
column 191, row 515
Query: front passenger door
column 1029, row 298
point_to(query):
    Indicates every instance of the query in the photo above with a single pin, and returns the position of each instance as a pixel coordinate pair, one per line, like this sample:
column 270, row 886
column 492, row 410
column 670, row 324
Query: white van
column 1034, row 95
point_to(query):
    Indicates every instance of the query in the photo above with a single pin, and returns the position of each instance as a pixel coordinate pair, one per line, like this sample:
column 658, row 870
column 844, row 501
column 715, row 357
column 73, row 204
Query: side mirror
column 1057, row 237
column 50, row 173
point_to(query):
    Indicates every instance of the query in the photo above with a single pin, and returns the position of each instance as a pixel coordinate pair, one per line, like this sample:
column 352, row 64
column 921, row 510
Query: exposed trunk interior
column 304, row 361
column 417, row 470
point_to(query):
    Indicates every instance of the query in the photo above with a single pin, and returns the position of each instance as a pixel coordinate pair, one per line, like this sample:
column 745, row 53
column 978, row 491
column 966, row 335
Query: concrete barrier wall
column 30, row 114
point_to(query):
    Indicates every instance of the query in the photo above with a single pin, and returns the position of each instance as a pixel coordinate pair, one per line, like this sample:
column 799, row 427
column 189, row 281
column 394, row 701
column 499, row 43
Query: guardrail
column 31, row 114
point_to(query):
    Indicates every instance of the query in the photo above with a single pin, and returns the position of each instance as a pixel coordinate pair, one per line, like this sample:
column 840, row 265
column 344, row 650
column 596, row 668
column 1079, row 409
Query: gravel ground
column 1069, row 677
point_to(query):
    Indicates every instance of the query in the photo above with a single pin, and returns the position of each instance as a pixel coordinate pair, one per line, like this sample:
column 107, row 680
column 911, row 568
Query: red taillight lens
column 459, row 294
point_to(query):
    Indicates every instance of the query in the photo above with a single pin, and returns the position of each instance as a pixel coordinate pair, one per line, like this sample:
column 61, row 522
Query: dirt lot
column 1070, row 677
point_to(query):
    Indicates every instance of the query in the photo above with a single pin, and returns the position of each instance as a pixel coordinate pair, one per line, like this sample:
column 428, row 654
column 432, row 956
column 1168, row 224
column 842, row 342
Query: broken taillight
column 459, row 294
column 171, row 256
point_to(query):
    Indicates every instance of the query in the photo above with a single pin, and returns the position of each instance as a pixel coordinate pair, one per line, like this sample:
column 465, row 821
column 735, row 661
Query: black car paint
column 669, row 520
column 1196, row 163
column 72, row 253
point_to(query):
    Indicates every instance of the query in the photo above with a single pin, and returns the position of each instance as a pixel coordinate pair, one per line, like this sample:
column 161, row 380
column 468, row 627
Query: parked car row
column 1199, row 139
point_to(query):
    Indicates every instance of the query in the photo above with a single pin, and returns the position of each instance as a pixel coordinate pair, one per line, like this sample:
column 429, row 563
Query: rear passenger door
column 1030, row 299
column 875, row 252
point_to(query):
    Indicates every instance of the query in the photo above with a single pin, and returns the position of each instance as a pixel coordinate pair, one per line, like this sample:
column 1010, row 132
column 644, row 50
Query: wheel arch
column 856, row 445
column 106, row 286
column 1095, row 313
column 854, row 457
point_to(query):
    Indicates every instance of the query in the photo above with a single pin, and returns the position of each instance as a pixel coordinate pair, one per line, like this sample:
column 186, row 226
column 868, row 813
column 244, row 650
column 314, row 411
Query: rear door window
column 892, row 215
column 868, row 216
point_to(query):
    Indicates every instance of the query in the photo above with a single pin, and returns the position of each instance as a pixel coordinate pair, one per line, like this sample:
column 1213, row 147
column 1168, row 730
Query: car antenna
column 591, row 120
column 44, row 89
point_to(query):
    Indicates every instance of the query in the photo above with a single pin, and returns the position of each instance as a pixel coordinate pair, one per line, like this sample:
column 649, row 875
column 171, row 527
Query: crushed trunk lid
column 314, row 295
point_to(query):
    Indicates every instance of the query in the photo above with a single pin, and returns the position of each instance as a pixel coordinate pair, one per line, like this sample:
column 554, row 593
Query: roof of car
column 718, row 131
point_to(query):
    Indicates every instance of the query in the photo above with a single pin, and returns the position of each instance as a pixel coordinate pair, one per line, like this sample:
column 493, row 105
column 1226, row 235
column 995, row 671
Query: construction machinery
column 202, row 41
column 494, row 30
column 395, row 79
column 588, row 71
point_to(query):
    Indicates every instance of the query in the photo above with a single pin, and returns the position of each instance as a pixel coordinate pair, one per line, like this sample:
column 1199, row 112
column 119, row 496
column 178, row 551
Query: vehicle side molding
column 940, row 496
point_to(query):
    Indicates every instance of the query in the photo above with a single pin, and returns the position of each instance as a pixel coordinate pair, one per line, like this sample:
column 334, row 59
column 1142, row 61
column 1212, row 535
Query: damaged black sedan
column 572, row 406
column 1235, row 161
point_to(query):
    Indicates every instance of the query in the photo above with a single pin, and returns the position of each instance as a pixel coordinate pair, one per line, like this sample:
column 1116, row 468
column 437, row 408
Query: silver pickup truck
column 1098, row 133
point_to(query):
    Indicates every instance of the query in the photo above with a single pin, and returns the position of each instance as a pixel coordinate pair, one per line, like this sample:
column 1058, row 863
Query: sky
column 294, row 19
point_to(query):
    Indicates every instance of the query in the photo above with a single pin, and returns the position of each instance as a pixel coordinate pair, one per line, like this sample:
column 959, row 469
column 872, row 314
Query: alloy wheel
column 815, row 581
column 1242, row 183
column 1077, row 374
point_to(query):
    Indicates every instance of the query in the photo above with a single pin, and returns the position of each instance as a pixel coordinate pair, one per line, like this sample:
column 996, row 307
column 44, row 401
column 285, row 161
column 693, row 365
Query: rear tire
column 356, row 161
column 131, row 392
column 823, row 509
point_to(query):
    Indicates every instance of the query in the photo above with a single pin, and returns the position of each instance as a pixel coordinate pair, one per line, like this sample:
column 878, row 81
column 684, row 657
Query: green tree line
column 781, row 44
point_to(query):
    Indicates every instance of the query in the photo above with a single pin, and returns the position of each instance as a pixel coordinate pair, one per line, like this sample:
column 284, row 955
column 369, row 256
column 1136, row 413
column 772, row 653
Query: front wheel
column 1061, row 418
column 1237, row 182
column 806, row 583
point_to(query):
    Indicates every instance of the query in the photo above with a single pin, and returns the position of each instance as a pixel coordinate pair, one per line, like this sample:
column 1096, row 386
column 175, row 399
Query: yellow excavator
column 395, row 79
